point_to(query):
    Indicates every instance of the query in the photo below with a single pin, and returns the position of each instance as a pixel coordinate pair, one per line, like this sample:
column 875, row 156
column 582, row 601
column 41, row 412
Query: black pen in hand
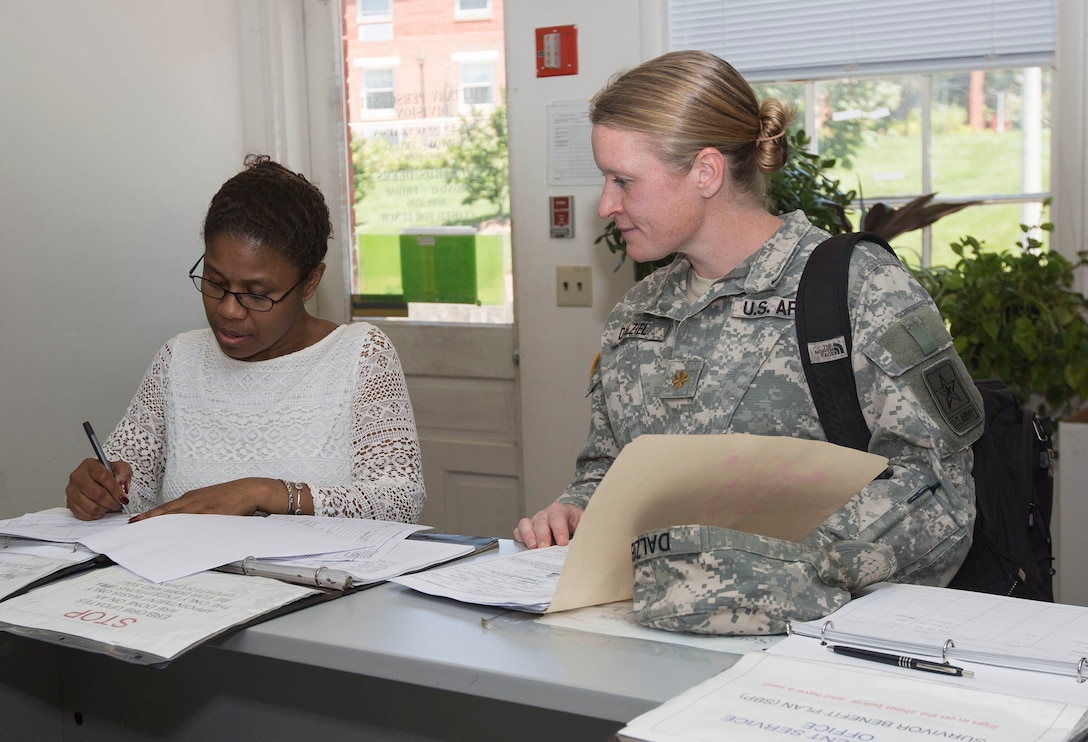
column 100, row 454
column 911, row 663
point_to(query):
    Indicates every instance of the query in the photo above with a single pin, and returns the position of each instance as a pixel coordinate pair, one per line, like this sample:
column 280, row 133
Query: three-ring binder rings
column 332, row 579
column 956, row 625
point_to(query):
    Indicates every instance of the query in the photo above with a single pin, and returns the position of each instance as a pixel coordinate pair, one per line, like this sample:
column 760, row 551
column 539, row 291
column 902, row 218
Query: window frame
column 1005, row 34
column 377, row 64
column 376, row 27
column 480, row 60
column 472, row 14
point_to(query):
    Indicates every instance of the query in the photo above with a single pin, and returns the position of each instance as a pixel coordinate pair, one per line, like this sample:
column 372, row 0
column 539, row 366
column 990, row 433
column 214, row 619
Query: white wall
column 119, row 119
column 558, row 344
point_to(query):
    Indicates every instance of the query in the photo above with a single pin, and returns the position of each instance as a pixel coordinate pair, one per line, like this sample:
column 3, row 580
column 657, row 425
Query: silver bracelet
column 294, row 505
column 290, row 496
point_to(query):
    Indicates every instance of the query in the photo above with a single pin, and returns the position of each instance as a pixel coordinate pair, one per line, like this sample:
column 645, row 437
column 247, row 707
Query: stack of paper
column 775, row 486
column 769, row 697
column 114, row 612
column 957, row 625
column 524, row 581
column 25, row 562
column 161, row 599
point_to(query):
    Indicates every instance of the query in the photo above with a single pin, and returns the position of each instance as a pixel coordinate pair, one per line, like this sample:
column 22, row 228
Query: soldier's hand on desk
column 93, row 491
column 238, row 497
column 554, row 524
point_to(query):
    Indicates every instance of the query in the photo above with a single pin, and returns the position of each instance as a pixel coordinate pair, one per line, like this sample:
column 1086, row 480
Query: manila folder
column 770, row 485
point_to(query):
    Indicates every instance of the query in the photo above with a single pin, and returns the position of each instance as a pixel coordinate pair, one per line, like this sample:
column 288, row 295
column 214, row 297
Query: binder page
column 524, row 581
column 404, row 556
column 167, row 547
column 768, row 697
column 59, row 525
column 1041, row 686
column 24, row 563
column 113, row 611
column 990, row 629
column 372, row 537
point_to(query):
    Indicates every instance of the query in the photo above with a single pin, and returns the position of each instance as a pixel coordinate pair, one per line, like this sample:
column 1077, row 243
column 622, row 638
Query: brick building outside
column 413, row 67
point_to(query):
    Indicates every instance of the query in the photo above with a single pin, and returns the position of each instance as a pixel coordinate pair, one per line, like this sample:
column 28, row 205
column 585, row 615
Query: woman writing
column 686, row 149
column 269, row 409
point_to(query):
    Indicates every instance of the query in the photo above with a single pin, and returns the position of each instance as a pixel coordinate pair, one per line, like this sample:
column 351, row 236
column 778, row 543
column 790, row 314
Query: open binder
column 26, row 564
column 961, row 626
column 100, row 607
column 354, row 576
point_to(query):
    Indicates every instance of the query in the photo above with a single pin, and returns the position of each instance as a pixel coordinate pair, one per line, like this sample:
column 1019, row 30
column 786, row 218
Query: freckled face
column 657, row 209
column 241, row 265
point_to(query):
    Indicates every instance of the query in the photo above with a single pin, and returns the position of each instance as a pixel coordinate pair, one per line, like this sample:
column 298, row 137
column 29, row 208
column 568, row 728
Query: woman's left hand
column 239, row 497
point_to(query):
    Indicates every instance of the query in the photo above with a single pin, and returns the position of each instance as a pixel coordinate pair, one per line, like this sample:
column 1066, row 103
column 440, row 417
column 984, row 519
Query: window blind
column 774, row 40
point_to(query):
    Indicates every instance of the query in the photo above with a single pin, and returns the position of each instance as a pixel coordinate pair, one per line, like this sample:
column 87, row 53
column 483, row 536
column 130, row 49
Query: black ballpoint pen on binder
column 100, row 454
column 910, row 663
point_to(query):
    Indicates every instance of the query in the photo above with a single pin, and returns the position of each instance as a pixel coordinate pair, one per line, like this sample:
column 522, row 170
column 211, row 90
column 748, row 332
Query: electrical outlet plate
column 573, row 286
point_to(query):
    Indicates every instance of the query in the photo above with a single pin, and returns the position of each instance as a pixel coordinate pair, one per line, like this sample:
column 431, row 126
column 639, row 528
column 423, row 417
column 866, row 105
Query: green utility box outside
column 442, row 265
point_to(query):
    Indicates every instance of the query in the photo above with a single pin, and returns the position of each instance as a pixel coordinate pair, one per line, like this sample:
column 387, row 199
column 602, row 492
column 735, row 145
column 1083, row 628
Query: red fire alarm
column 556, row 51
column 562, row 211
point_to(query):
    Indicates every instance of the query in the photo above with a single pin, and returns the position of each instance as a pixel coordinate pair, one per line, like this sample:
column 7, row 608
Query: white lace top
column 335, row 415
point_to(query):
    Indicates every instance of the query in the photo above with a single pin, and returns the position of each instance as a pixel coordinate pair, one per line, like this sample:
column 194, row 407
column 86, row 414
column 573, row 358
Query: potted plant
column 1015, row 315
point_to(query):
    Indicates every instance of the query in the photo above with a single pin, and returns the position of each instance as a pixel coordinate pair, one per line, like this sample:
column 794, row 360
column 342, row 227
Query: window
column 472, row 10
column 431, row 215
column 942, row 97
column 374, row 11
column 477, row 84
column 375, row 19
column 378, row 92
column 476, row 79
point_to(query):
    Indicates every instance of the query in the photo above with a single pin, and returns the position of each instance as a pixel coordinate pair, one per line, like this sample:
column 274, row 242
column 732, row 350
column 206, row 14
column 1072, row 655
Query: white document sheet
column 372, row 537
column 769, row 697
column 23, row 563
column 167, row 547
column 400, row 558
column 112, row 611
column 524, row 581
column 59, row 525
column 1039, row 685
column 977, row 627
column 780, row 487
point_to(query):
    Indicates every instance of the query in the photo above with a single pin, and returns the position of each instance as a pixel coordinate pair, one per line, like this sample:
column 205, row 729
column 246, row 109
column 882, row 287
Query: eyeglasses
column 252, row 302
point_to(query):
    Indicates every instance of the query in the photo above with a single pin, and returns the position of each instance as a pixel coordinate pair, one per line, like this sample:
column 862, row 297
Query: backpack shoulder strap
column 824, row 338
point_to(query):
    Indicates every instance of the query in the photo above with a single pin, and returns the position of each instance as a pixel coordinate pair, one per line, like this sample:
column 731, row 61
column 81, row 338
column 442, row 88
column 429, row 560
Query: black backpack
column 1014, row 483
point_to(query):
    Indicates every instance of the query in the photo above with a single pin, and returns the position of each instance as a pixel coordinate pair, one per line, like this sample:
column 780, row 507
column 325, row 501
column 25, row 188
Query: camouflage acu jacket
column 729, row 363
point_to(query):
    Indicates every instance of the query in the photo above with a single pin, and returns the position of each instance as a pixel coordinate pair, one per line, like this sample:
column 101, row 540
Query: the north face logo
column 827, row 350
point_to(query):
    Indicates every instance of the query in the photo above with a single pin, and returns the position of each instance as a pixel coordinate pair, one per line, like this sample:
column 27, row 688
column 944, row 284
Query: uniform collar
column 664, row 293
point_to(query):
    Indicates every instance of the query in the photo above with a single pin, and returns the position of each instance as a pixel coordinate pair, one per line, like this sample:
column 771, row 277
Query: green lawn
column 889, row 167
column 966, row 161
column 423, row 198
column 417, row 198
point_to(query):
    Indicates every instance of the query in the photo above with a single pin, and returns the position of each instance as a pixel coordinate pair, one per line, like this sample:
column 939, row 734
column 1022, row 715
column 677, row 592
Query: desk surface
column 383, row 663
column 394, row 633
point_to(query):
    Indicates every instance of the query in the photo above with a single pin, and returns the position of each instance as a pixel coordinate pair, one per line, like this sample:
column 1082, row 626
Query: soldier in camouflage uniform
column 708, row 345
